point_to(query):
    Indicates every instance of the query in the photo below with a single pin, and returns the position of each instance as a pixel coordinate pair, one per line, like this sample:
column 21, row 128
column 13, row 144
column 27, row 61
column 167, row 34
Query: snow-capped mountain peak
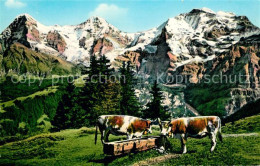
column 97, row 26
column 98, row 20
column 95, row 21
column 26, row 15
column 194, row 36
column 207, row 10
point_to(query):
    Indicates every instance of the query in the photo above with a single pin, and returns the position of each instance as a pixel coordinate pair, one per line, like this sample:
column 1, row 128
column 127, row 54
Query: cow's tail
column 96, row 133
column 219, row 130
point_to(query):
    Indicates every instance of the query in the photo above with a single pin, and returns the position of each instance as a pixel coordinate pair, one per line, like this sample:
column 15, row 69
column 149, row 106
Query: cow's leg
column 130, row 135
column 213, row 141
column 183, row 143
column 102, row 135
column 106, row 135
column 212, row 134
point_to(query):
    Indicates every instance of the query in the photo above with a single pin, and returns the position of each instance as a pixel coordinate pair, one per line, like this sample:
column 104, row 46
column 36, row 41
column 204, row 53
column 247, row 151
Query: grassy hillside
column 249, row 109
column 12, row 90
column 67, row 147
column 209, row 99
column 76, row 147
column 20, row 59
column 27, row 112
column 22, row 115
column 245, row 125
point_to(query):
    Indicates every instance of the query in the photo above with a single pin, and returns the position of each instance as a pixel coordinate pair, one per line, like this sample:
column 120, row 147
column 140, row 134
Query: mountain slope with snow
column 196, row 36
column 74, row 43
column 192, row 45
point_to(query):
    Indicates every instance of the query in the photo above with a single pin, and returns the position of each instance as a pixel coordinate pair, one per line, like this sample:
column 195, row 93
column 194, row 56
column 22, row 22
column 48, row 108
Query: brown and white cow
column 196, row 127
column 121, row 125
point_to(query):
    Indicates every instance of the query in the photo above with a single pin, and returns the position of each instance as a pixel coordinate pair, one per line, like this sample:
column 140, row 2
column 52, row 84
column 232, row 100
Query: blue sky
column 129, row 16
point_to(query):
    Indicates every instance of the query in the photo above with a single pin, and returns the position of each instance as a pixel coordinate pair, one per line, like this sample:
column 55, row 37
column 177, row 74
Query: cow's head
column 149, row 126
column 165, row 127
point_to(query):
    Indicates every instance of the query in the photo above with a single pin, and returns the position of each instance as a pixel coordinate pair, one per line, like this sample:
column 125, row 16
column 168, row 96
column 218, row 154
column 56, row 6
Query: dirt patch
column 241, row 135
column 157, row 160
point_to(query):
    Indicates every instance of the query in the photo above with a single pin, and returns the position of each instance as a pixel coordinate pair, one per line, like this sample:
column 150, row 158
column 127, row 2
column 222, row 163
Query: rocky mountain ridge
column 194, row 45
column 194, row 36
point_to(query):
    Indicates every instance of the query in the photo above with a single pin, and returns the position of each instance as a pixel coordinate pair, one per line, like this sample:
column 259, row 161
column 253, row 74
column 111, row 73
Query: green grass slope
column 68, row 147
column 233, row 151
column 209, row 99
column 29, row 114
column 249, row 109
column 245, row 125
column 19, row 59
column 76, row 147
column 12, row 90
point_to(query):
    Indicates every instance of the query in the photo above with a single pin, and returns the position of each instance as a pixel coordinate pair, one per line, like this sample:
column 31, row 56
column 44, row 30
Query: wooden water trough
column 127, row 146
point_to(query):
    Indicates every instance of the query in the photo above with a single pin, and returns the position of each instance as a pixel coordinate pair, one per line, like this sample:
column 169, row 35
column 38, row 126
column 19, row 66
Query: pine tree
column 99, row 95
column 88, row 98
column 93, row 67
column 129, row 104
column 155, row 109
column 108, row 103
column 62, row 119
column 104, row 66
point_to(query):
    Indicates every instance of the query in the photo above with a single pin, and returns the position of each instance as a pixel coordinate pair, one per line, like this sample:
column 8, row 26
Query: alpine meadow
column 183, row 93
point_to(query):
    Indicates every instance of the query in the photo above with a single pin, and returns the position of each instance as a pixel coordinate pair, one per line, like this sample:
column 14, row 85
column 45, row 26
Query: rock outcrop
column 56, row 41
column 240, row 97
column 102, row 46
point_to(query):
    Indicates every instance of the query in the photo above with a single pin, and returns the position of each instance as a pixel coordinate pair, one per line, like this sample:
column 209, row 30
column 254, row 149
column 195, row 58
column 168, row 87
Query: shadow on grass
column 107, row 159
column 191, row 151
column 180, row 152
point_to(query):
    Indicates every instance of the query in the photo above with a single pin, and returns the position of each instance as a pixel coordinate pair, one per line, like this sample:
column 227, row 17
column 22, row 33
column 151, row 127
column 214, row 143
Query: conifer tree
column 93, row 67
column 104, row 66
column 62, row 119
column 99, row 95
column 129, row 104
column 155, row 109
